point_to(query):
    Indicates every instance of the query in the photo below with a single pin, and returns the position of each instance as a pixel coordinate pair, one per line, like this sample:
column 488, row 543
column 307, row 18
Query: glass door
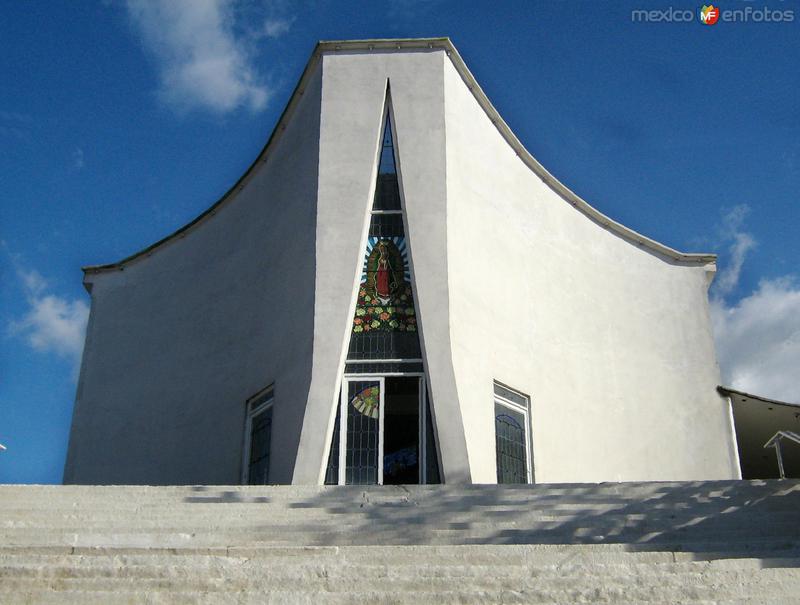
column 383, row 433
column 362, row 428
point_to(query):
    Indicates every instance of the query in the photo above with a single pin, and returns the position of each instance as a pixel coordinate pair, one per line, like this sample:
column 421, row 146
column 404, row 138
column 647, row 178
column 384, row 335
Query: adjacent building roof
column 757, row 419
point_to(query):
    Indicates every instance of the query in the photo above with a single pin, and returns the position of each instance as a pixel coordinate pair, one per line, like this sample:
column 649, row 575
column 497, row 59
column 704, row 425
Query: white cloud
column 758, row 336
column 202, row 63
column 52, row 323
column 740, row 244
column 275, row 28
column 77, row 159
column 33, row 282
column 758, row 340
column 15, row 125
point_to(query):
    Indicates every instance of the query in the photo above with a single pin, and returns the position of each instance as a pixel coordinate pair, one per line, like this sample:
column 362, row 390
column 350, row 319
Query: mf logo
column 709, row 14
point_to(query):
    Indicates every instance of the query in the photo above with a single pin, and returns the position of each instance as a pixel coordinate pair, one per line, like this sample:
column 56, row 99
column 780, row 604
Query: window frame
column 422, row 425
column 525, row 410
column 255, row 406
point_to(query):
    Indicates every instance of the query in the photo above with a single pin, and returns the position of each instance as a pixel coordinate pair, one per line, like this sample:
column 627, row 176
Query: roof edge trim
column 443, row 43
column 725, row 391
column 280, row 126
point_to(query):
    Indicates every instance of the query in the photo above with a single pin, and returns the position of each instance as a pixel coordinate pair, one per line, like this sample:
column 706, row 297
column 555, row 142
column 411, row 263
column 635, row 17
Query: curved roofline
column 410, row 44
column 727, row 392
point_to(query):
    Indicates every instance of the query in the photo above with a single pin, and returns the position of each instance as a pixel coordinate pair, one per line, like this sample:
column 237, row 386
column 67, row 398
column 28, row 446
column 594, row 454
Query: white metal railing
column 775, row 441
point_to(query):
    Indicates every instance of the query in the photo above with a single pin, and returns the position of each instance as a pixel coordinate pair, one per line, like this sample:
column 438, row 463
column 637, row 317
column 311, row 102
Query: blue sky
column 121, row 121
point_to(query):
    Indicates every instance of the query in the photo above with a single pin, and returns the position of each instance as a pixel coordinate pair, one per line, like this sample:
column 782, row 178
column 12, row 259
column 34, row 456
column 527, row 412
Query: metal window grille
column 257, row 440
column 386, row 225
column 260, row 442
column 512, row 440
column 383, row 367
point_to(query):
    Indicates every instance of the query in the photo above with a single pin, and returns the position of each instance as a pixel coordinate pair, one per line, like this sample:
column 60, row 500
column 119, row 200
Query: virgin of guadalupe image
column 385, row 270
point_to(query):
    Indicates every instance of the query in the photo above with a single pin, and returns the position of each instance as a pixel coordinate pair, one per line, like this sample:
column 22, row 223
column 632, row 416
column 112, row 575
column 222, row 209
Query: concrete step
column 701, row 491
column 182, row 540
column 431, row 586
column 456, row 509
column 696, row 542
column 772, row 525
column 527, row 554
column 623, row 525
column 470, row 562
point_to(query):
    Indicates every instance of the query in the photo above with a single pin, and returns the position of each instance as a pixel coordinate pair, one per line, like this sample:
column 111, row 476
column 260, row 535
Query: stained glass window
column 385, row 322
column 361, row 457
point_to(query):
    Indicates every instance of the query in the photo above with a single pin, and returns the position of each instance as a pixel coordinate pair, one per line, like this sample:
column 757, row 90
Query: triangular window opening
column 386, row 165
column 383, row 431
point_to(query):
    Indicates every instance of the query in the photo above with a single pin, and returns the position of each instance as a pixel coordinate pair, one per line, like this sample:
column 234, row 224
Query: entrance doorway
column 401, row 431
column 383, row 433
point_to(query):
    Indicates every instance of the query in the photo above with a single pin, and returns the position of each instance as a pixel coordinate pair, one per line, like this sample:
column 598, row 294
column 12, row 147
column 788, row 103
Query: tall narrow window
column 384, row 432
column 385, row 321
column 258, row 438
column 512, row 438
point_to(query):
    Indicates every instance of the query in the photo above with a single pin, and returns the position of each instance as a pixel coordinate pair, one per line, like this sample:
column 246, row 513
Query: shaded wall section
column 180, row 338
column 757, row 420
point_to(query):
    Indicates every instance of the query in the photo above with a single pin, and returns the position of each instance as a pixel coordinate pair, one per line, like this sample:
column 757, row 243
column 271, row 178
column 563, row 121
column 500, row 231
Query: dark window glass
column 332, row 472
column 386, row 226
column 260, row 441
column 384, row 345
column 386, row 164
column 401, row 431
column 432, row 457
column 510, row 445
column 387, row 193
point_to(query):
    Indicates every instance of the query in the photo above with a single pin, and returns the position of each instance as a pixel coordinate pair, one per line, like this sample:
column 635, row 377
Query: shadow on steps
column 714, row 519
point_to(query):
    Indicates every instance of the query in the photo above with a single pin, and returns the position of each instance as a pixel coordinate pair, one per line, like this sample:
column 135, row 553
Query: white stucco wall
column 611, row 341
column 178, row 340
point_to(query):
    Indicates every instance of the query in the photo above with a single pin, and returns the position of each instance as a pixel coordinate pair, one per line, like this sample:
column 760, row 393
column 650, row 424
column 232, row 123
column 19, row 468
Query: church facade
column 396, row 291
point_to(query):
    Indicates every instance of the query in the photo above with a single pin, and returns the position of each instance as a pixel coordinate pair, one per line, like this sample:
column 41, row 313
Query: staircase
column 698, row 542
